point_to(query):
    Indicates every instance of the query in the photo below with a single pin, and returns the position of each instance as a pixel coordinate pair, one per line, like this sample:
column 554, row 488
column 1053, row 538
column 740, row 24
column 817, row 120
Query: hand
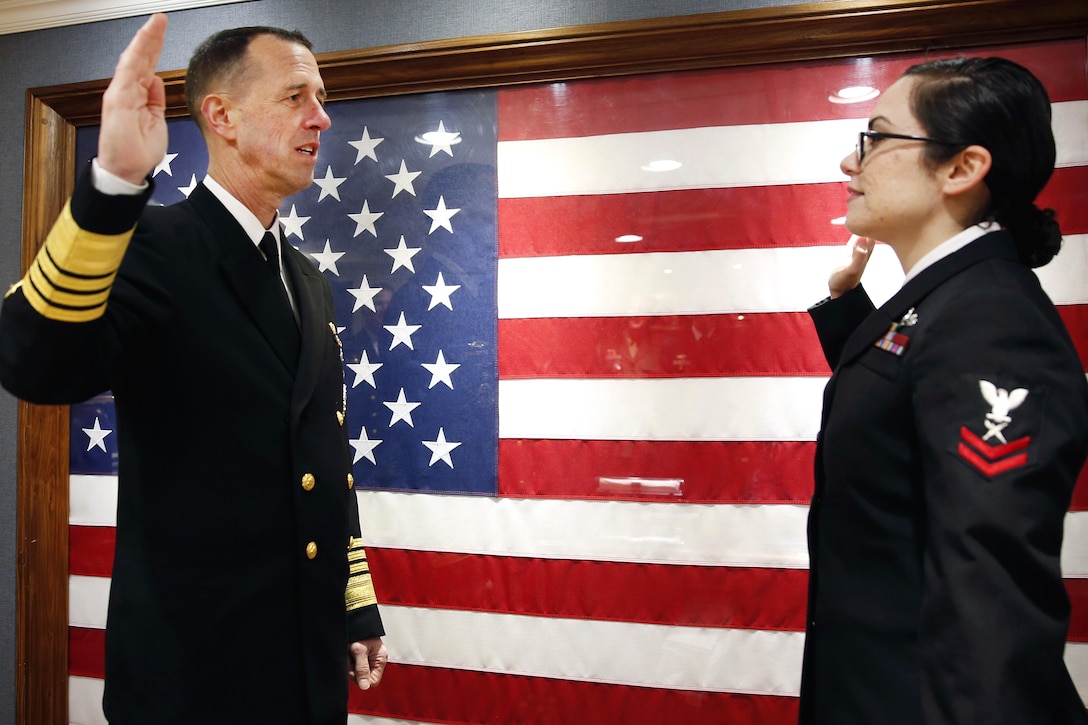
column 367, row 662
column 132, row 139
column 848, row 277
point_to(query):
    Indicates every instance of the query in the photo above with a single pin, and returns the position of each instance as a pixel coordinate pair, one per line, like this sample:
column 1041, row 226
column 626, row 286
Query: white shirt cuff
column 108, row 183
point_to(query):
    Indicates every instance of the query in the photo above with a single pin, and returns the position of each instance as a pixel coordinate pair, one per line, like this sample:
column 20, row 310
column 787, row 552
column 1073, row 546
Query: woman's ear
column 966, row 170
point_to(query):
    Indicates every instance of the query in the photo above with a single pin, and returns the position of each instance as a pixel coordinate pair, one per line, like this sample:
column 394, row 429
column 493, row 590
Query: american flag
column 583, row 390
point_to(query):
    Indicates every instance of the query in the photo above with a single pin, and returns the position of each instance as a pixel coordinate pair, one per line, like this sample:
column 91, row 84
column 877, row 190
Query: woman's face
column 893, row 196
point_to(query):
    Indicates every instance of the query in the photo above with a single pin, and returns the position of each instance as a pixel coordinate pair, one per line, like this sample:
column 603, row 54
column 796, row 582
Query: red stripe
column 992, row 451
column 90, row 550
column 1080, row 493
column 674, row 346
column 1078, row 599
column 698, row 596
column 747, row 472
column 86, row 652
column 440, row 695
column 673, row 221
column 1067, row 192
column 991, row 469
column 728, row 218
column 779, row 93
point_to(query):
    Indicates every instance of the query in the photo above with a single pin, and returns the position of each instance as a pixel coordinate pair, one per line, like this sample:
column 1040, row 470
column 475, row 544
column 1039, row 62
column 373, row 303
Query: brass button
column 351, row 481
column 311, row 550
column 308, row 482
column 339, row 417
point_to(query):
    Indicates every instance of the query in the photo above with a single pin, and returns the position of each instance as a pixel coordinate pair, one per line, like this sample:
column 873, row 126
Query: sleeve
column 836, row 319
column 364, row 620
column 1001, row 412
column 52, row 320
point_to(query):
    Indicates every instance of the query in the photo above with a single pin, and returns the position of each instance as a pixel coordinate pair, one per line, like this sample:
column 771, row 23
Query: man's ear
column 967, row 170
column 218, row 115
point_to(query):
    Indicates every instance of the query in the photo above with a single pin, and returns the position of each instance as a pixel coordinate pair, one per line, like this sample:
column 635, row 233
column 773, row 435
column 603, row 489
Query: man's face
column 280, row 114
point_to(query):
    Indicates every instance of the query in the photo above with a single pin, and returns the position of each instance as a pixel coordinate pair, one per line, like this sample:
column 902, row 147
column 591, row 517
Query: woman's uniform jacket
column 239, row 578
column 954, row 427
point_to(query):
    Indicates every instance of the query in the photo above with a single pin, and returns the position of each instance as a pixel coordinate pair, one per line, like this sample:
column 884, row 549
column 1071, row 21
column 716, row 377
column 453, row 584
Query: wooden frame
column 840, row 28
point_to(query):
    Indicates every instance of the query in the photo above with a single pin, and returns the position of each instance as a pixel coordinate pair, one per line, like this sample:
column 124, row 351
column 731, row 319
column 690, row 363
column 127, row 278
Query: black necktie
column 271, row 254
column 271, row 251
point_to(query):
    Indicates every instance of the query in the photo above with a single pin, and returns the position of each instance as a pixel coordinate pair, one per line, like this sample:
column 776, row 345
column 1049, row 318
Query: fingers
column 142, row 54
column 367, row 659
column 848, row 277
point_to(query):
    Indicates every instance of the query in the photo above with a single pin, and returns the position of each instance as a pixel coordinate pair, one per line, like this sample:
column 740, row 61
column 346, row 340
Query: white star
column 164, row 165
column 402, row 180
column 330, row 185
column 402, row 410
column 402, row 333
column 364, row 370
column 365, row 220
column 402, row 256
column 365, row 146
column 364, row 295
column 188, row 189
column 440, row 217
column 440, row 371
column 440, row 449
column 364, row 446
column 97, row 436
column 441, row 140
column 292, row 223
column 326, row 259
column 440, row 292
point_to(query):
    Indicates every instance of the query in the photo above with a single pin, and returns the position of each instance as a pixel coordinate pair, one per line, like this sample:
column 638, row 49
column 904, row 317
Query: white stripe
column 669, row 533
column 648, row 655
column 1065, row 279
column 709, row 659
column 716, row 156
column 708, row 282
column 88, row 601
column 712, row 157
column 1076, row 659
column 673, row 409
column 92, row 500
column 732, row 281
column 85, row 701
column 1070, row 123
column 374, row 720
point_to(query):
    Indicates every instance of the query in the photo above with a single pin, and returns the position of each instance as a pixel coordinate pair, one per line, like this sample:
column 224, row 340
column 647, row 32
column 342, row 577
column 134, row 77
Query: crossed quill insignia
column 1001, row 402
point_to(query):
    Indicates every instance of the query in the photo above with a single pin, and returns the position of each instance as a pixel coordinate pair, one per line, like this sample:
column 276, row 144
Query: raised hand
column 133, row 137
column 848, row 276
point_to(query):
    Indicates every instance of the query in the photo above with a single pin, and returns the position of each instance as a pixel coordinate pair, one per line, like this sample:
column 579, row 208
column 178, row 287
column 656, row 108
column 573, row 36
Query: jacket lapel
column 259, row 293
column 313, row 323
column 991, row 246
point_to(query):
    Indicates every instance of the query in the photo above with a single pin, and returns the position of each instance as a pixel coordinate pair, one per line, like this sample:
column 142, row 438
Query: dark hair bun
column 1037, row 234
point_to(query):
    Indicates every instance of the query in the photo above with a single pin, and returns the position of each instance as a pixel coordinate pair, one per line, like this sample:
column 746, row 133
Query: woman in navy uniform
column 955, row 423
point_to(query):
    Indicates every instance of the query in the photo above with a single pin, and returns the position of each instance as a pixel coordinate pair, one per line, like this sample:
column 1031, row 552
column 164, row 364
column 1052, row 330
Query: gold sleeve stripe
column 360, row 589
column 71, row 277
column 360, row 593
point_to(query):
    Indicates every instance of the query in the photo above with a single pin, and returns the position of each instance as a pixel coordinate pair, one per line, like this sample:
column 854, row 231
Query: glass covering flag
column 583, row 390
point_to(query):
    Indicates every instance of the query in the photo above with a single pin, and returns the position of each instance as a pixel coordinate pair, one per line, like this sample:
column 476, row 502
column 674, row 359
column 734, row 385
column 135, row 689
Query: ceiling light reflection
column 854, row 94
column 628, row 238
column 662, row 165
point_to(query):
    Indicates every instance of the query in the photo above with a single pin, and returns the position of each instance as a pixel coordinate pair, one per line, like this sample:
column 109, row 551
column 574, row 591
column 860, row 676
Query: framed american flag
column 583, row 393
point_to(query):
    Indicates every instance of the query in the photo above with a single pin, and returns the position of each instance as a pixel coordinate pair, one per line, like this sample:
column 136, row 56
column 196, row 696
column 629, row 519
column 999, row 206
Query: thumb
column 361, row 668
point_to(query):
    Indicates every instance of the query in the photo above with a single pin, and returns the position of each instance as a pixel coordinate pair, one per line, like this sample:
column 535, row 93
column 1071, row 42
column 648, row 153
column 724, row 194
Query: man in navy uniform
column 240, row 588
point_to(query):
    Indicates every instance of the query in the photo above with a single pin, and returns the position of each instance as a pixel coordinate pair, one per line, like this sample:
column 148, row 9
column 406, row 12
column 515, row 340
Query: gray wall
column 89, row 52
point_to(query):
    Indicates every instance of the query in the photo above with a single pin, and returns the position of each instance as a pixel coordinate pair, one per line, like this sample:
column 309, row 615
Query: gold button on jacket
column 308, row 481
column 311, row 550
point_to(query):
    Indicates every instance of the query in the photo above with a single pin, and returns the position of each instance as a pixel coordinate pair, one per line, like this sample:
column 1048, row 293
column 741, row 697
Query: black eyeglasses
column 866, row 139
